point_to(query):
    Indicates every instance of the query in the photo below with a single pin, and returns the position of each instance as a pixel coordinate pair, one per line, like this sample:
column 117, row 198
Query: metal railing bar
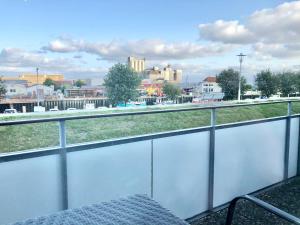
column 152, row 171
column 211, row 164
column 298, row 158
column 63, row 165
column 250, row 122
column 295, row 115
column 57, row 119
column 287, row 141
column 106, row 143
column 7, row 157
column 85, row 146
column 268, row 207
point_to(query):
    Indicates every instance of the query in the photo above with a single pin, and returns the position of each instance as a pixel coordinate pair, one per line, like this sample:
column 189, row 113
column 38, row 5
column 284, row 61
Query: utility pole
column 37, row 88
column 241, row 57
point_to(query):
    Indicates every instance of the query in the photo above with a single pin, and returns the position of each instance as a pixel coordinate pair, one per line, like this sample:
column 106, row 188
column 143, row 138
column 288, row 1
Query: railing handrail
column 57, row 119
column 268, row 207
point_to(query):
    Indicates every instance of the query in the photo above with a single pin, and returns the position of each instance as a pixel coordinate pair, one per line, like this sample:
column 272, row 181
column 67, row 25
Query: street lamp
column 37, row 89
column 241, row 57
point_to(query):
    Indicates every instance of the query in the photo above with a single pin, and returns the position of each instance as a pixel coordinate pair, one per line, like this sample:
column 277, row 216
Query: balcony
column 188, row 171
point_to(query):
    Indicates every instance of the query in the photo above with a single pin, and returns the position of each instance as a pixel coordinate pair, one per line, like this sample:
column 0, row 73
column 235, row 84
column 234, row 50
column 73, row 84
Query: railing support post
column 287, row 141
column 63, row 164
column 151, row 188
column 211, row 159
column 298, row 161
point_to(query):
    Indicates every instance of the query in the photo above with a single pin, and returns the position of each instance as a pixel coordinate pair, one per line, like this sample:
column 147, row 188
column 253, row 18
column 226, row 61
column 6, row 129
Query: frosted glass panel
column 29, row 188
column 247, row 159
column 293, row 156
column 108, row 173
column 181, row 173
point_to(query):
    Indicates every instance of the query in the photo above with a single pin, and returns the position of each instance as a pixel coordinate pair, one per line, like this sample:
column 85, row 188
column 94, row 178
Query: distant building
column 83, row 92
column 40, row 79
column 15, row 88
column 64, row 83
column 208, row 89
column 166, row 74
column 138, row 65
column 149, row 88
column 42, row 90
column 94, row 82
column 210, row 84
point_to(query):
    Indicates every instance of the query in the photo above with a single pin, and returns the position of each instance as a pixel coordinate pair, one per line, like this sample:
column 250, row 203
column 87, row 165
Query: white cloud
column 227, row 32
column 273, row 32
column 150, row 49
column 18, row 61
column 277, row 25
column 277, row 50
column 15, row 57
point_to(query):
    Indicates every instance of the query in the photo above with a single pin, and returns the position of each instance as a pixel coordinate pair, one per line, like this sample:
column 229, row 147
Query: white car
column 70, row 109
column 8, row 111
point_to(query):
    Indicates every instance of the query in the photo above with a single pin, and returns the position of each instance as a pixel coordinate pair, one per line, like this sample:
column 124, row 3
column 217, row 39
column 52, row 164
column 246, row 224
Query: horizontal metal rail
column 266, row 206
column 6, row 157
column 57, row 119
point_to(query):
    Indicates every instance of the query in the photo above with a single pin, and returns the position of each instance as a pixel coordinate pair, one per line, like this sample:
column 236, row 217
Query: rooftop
column 210, row 79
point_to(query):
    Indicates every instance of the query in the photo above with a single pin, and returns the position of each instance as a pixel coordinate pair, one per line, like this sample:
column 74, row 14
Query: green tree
column 79, row 83
column 49, row 82
column 171, row 91
column 121, row 84
column 229, row 82
column 286, row 83
column 297, row 81
column 248, row 87
column 2, row 88
column 267, row 83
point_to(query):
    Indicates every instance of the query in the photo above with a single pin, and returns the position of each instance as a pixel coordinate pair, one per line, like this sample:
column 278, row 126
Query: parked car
column 8, row 111
column 70, row 109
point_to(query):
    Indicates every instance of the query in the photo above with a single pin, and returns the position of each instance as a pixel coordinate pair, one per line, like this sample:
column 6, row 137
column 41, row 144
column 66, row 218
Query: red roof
column 210, row 79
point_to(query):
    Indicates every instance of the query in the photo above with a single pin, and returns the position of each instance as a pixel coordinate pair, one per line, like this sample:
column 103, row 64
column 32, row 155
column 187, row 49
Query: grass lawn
column 30, row 136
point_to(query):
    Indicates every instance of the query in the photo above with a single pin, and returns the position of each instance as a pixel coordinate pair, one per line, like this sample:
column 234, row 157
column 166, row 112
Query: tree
column 121, row 84
column 171, row 91
column 286, row 83
column 297, row 81
column 267, row 83
column 49, row 82
column 248, row 87
column 229, row 82
column 2, row 88
column 79, row 83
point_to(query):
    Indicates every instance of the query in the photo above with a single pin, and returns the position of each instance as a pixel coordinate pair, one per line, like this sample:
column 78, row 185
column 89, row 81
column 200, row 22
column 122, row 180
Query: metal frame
column 64, row 148
column 213, row 121
column 63, row 164
column 266, row 206
column 287, row 141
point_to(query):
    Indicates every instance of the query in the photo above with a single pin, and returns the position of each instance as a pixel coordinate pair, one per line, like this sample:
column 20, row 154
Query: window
column 12, row 90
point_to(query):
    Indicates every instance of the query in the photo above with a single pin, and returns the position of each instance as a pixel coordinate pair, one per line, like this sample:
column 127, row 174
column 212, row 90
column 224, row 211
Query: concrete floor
column 285, row 197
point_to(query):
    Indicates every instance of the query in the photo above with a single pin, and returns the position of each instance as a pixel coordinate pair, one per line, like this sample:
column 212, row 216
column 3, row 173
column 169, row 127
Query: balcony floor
column 285, row 197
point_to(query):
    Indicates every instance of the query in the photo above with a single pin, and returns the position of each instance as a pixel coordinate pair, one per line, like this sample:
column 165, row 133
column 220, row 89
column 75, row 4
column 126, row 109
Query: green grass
column 30, row 136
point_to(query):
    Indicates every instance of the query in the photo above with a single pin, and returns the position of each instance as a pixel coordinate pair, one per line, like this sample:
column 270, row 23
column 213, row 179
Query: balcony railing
column 188, row 171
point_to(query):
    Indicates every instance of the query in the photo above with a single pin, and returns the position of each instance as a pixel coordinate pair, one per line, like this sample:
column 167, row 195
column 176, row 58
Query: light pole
column 37, row 88
column 241, row 57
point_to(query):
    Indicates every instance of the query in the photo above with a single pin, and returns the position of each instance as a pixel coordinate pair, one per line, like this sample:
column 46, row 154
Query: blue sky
column 84, row 38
